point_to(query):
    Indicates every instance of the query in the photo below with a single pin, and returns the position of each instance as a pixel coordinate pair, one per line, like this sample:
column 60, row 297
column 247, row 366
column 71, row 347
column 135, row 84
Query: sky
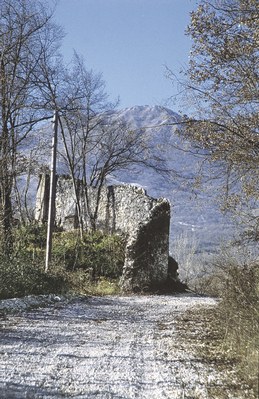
column 130, row 42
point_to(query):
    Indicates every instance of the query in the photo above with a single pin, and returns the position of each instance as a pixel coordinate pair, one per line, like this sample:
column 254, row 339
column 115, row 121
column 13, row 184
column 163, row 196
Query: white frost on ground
column 29, row 302
column 109, row 347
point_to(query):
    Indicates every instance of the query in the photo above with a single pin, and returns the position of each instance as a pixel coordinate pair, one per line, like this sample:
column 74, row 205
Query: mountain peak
column 147, row 115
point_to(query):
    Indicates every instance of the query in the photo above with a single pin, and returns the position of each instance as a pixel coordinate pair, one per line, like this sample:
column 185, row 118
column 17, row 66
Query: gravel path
column 110, row 347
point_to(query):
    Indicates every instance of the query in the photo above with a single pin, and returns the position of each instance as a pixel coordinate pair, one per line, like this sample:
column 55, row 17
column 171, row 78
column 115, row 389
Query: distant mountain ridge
column 145, row 115
column 194, row 213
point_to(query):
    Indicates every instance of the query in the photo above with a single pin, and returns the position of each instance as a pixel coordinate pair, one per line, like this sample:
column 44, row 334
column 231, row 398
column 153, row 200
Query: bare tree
column 27, row 38
column 96, row 142
column 81, row 98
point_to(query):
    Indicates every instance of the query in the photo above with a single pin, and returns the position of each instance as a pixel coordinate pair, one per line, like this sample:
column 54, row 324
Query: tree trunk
column 6, row 216
column 5, row 190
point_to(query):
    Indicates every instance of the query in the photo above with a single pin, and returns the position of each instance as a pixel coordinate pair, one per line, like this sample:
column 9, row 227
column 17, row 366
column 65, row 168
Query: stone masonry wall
column 121, row 209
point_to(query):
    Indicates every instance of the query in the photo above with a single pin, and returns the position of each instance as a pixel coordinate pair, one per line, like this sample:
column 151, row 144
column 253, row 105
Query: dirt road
column 110, row 347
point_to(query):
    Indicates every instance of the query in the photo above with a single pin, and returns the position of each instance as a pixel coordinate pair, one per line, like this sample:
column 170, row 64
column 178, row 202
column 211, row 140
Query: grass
column 80, row 283
column 203, row 331
column 229, row 333
column 91, row 266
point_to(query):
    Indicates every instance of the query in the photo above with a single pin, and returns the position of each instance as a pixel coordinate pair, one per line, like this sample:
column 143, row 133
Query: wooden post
column 52, row 193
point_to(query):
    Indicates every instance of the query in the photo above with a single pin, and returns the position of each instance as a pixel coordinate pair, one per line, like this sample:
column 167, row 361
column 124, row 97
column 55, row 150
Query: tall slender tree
column 27, row 39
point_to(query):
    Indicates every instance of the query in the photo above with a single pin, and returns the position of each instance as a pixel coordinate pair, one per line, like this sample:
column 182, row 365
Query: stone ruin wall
column 122, row 209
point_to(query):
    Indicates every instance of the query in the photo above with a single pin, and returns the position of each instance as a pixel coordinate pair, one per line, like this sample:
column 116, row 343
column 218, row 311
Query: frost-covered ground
column 109, row 347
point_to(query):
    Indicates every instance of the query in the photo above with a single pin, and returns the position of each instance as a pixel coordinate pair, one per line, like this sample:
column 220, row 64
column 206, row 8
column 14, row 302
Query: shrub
column 184, row 250
column 99, row 254
column 20, row 277
column 233, row 326
column 237, row 316
column 29, row 237
column 79, row 282
column 78, row 266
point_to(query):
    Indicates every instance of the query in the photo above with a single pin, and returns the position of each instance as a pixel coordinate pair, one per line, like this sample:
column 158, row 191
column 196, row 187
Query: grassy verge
column 203, row 332
column 229, row 334
column 91, row 266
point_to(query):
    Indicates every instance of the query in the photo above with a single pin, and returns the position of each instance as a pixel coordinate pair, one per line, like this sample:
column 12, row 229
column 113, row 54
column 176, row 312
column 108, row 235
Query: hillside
column 194, row 212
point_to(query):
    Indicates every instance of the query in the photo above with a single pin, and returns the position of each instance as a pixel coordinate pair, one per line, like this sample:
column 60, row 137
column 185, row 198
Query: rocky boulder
column 122, row 209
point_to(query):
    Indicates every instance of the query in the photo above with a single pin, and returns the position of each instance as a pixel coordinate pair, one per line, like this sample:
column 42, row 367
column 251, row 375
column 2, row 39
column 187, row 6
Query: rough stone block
column 119, row 209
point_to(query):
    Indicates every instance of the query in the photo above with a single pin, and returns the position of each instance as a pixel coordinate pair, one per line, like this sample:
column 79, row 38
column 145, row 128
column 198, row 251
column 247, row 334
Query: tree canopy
column 222, row 86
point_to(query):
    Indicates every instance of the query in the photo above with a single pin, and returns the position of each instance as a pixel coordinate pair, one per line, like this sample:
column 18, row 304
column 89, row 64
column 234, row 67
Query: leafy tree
column 222, row 84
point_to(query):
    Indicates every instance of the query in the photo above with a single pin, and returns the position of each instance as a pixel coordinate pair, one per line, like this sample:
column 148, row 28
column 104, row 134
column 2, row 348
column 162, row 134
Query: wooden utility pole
column 52, row 191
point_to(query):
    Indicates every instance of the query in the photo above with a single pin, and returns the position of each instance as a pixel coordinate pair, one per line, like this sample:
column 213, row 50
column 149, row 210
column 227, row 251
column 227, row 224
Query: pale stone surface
column 42, row 198
column 120, row 209
column 102, row 348
column 123, row 347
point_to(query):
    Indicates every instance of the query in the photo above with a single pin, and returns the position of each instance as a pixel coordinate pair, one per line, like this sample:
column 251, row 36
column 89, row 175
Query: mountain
column 195, row 218
column 195, row 214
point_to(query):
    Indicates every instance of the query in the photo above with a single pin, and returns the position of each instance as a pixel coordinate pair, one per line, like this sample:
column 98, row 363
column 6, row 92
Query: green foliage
column 19, row 278
column 79, row 282
column 30, row 237
column 89, row 266
column 99, row 254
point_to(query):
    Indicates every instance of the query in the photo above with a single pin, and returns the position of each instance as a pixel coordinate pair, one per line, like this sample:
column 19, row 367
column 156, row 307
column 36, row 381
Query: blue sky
column 130, row 42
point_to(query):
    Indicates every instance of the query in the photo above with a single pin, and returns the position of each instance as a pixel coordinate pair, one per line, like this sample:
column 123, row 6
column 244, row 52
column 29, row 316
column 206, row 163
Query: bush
column 79, row 282
column 99, row 254
column 29, row 238
column 232, row 328
column 20, row 278
column 236, row 281
column 92, row 265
